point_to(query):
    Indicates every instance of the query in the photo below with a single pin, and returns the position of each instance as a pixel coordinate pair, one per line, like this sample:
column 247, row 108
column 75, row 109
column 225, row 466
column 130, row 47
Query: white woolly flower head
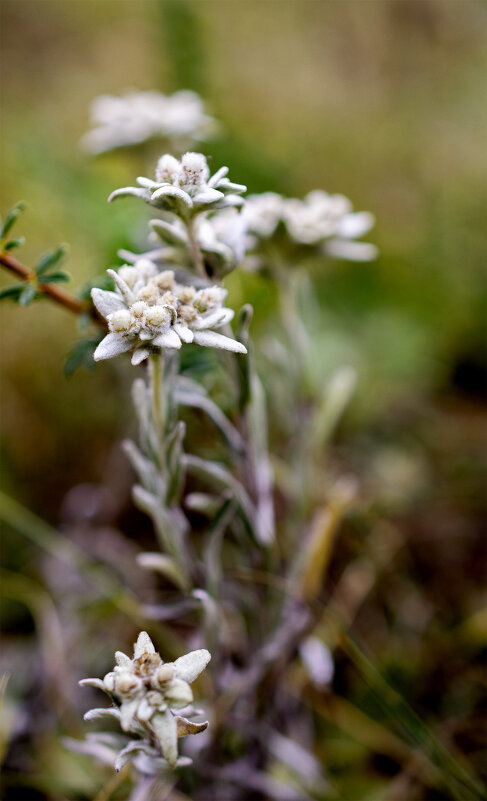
column 185, row 188
column 193, row 170
column 154, row 311
column 146, row 691
column 167, row 169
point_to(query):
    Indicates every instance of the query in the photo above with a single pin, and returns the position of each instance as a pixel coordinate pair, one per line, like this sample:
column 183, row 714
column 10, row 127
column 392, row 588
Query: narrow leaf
column 11, row 218
column 49, row 259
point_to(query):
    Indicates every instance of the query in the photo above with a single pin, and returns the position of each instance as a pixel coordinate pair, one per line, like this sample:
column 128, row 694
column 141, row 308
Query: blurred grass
column 381, row 101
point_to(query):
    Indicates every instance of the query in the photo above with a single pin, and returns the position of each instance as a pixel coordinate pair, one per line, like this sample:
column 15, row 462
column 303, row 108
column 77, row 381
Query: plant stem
column 156, row 394
column 195, row 250
column 54, row 292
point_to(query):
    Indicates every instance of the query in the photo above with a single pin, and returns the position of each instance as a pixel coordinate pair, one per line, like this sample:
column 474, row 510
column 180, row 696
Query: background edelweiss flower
column 262, row 214
column 148, row 310
column 321, row 216
column 145, row 690
column 139, row 116
column 185, row 187
column 318, row 219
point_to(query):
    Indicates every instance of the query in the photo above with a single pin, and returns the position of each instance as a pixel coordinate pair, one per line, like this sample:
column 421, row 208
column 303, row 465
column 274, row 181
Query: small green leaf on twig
column 14, row 243
column 27, row 295
column 80, row 355
column 55, row 278
column 12, row 292
column 11, row 218
column 49, row 259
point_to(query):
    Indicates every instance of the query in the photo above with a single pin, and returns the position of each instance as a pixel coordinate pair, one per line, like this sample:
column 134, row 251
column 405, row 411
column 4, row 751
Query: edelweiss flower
column 138, row 116
column 262, row 214
column 185, row 187
column 146, row 690
column 321, row 217
column 150, row 310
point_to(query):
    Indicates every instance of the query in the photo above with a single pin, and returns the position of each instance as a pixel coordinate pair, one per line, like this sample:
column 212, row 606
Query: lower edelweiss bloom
column 150, row 310
column 146, row 690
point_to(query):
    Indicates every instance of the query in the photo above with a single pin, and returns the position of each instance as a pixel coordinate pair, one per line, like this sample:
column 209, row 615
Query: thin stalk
column 156, row 378
column 195, row 250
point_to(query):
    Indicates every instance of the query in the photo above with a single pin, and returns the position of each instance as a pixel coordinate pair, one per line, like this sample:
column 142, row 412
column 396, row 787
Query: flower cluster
column 149, row 309
column 320, row 219
column 185, row 188
column 145, row 690
column 139, row 116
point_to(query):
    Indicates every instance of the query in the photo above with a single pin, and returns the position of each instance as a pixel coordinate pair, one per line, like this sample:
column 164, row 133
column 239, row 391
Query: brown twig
column 56, row 293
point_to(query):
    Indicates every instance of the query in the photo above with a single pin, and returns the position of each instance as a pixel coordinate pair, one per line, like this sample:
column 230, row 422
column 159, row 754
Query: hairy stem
column 156, row 394
column 54, row 292
column 195, row 250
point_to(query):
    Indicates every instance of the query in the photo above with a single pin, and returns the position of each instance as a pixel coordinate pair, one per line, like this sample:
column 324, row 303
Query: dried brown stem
column 54, row 292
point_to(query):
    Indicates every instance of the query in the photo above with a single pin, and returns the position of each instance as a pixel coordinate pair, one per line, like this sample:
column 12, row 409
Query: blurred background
column 383, row 101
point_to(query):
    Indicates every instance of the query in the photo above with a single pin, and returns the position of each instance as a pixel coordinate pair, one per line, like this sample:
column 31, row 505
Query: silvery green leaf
column 189, row 666
column 211, row 611
column 130, row 191
column 141, row 403
column 99, row 750
column 164, row 522
column 110, row 346
column 228, row 186
column 199, row 401
column 178, row 693
column 147, row 183
column 130, row 750
column 212, row 553
column 127, row 713
column 122, row 660
column 354, row 225
column 185, row 726
column 184, row 333
column 174, row 449
column 207, row 196
column 144, row 468
column 211, row 339
column 202, row 502
column 168, row 232
column 169, row 192
column 214, row 319
column 106, row 302
column 165, row 565
column 334, row 400
column 151, row 766
column 221, row 173
column 186, row 384
column 139, row 355
column 98, row 683
column 258, row 446
column 216, row 472
column 144, row 645
column 168, row 339
column 165, row 729
column 95, row 714
column 122, row 287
